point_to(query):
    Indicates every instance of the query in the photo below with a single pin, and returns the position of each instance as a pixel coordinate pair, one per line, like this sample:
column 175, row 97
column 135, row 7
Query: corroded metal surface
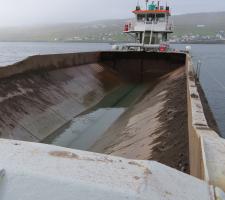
column 42, row 93
column 155, row 128
column 142, row 66
column 34, row 105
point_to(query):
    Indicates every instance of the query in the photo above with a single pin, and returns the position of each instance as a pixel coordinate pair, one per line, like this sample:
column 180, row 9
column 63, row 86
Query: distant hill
column 111, row 30
column 91, row 31
column 212, row 23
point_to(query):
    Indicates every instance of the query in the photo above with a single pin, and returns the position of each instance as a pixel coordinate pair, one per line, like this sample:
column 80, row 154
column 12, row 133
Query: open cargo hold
column 147, row 107
column 41, row 95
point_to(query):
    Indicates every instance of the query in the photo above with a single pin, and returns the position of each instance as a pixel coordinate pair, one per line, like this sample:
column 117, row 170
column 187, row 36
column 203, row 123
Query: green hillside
column 111, row 30
column 213, row 23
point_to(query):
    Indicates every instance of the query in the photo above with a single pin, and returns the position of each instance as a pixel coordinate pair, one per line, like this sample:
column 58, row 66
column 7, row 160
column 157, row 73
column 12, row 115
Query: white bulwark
column 30, row 171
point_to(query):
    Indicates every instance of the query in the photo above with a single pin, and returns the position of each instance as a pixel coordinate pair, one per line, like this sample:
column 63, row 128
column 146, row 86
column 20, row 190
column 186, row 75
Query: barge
column 126, row 124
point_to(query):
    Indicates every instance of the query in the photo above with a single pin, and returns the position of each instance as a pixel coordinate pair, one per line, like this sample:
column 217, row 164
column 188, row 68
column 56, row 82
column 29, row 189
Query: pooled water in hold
column 84, row 131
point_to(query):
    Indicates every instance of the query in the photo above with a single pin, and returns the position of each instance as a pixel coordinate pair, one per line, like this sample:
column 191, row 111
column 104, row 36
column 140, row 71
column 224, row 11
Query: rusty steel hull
column 42, row 93
column 36, row 104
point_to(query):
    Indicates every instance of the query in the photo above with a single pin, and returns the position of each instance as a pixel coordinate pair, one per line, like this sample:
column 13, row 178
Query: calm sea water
column 11, row 52
column 212, row 74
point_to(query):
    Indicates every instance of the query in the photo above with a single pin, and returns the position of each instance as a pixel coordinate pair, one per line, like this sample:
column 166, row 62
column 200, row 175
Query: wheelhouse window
column 140, row 17
column 161, row 17
column 151, row 17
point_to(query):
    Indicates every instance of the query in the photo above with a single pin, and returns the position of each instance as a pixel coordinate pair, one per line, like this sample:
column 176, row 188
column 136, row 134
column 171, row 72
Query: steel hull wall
column 42, row 93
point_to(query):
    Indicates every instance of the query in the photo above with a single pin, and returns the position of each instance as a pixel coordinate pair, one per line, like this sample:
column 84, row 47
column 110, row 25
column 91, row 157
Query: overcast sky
column 32, row 12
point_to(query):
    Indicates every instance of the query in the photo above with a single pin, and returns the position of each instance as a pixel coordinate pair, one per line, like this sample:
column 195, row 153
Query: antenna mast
column 146, row 4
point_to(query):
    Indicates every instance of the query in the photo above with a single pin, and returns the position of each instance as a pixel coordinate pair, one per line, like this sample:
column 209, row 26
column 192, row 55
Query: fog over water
column 34, row 12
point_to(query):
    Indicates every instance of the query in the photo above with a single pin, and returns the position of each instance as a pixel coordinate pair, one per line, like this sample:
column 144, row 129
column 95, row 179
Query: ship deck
column 134, row 105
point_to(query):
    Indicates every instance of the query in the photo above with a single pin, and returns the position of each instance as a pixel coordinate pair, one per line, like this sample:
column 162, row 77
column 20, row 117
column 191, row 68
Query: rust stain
column 204, row 128
column 64, row 154
column 135, row 163
column 168, row 193
column 146, row 173
column 194, row 96
column 103, row 160
column 199, row 124
column 16, row 144
column 136, row 177
column 191, row 76
column 146, row 170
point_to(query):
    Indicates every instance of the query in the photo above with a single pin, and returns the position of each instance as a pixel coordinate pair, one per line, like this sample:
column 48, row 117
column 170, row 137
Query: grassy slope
column 95, row 31
column 213, row 22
